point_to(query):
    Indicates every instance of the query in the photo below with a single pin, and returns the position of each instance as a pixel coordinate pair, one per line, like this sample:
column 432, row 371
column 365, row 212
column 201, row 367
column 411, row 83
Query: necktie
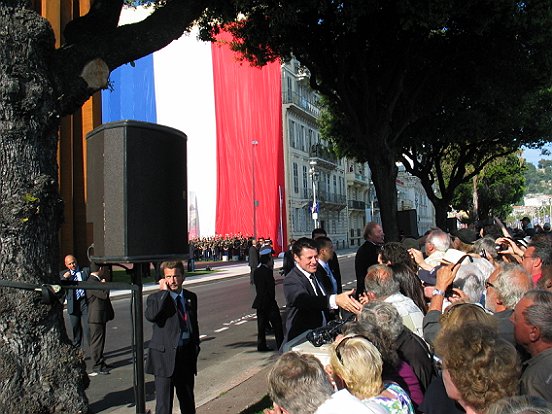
column 182, row 315
column 332, row 278
column 316, row 286
column 79, row 293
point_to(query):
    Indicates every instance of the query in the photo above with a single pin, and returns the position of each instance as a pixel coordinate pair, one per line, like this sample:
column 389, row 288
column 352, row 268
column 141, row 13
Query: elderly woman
column 479, row 368
column 455, row 317
column 356, row 364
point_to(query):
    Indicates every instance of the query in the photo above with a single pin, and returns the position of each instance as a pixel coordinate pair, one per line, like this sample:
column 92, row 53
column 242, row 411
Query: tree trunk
column 441, row 211
column 384, row 174
column 40, row 371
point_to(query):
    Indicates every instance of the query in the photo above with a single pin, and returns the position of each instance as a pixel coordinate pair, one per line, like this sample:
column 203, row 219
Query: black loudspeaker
column 407, row 221
column 137, row 192
column 452, row 224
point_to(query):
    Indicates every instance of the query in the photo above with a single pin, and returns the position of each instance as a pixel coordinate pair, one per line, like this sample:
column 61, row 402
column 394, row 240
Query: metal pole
column 314, row 206
column 254, row 142
column 140, row 388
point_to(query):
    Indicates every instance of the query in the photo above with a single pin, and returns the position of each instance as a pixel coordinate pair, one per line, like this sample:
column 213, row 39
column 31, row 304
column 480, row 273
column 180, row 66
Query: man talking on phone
column 174, row 345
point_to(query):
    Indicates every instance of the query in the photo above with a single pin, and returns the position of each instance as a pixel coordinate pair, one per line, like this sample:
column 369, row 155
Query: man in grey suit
column 306, row 299
column 174, row 345
column 77, row 303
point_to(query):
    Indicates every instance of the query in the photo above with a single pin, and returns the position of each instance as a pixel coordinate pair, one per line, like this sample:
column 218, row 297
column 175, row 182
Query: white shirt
column 308, row 276
column 412, row 316
column 343, row 401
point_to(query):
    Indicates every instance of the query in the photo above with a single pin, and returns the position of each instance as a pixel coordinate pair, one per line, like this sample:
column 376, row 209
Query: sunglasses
column 343, row 341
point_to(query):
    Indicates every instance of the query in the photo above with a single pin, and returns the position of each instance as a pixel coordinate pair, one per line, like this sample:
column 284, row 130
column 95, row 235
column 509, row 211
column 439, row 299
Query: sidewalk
column 249, row 386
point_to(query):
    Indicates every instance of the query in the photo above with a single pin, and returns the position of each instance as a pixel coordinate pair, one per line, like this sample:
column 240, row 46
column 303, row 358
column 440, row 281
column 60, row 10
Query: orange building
column 74, row 237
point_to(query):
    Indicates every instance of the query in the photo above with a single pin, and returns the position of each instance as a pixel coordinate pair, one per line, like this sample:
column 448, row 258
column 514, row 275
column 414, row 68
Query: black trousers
column 264, row 316
column 79, row 322
column 182, row 381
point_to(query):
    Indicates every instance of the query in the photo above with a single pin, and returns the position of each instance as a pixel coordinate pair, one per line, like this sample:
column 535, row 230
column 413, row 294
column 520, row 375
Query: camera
column 501, row 247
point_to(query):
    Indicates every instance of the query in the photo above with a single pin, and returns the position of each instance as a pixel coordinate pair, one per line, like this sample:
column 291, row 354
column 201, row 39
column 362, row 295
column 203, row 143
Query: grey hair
column 298, row 383
column 488, row 244
column 520, row 404
column 439, row 239
column 384, row 315
column 512, row 283
column 380, row 281
column 471, row 281
column 538, row 314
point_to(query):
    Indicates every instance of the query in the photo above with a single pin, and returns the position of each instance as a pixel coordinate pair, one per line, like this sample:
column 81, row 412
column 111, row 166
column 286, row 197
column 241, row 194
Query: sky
column 534, row 155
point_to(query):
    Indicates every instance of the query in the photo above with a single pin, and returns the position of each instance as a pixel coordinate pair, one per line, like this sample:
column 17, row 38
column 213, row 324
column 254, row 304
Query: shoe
column 264, row 349
column 102, row 371
column 107, row 366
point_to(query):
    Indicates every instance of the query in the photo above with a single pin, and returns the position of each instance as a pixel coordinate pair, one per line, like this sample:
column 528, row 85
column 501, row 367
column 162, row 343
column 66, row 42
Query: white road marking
column 221, row 329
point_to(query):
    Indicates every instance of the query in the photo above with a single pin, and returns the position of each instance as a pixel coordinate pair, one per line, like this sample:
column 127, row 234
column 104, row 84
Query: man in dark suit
column 99, row 312
column 265, row 301
column 305, row 296
column 333, row 262
column 367, row 254
column 253, row 258
column 174, row 345
column 77, row 303
column 324, row 273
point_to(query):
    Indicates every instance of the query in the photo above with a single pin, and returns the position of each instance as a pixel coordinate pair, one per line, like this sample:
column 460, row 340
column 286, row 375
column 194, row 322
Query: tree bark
column 40, row 372
column 384, row 175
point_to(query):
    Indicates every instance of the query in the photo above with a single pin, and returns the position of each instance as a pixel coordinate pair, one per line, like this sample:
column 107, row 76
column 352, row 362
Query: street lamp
column 314, row 209
column 255, row 203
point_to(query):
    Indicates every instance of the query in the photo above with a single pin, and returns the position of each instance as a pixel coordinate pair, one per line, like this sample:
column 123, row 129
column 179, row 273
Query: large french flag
column 232, row 115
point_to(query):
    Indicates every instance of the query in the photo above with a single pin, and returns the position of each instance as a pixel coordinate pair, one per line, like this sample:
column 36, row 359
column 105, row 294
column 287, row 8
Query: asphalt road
column 228, row 349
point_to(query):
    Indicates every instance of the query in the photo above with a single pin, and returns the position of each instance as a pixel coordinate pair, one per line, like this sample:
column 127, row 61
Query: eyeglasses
column 342, row 343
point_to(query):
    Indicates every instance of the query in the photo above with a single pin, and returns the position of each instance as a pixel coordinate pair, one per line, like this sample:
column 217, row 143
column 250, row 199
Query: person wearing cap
column 463, row 239
column 265, row 301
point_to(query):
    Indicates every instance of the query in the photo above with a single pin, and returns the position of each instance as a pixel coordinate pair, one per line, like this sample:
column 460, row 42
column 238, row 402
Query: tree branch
column 118, row 46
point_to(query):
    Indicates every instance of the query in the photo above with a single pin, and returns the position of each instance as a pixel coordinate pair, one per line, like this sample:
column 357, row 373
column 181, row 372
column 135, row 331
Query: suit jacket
column 161, row 310
column 70, row 293
column 253, row 257
column 334, row 267
column 265, row 287
column 98, row 303
column 304, row 307
column 366, row 256
column 324, row 279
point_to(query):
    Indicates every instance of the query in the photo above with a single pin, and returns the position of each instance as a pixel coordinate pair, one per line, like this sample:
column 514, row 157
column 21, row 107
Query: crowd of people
column 215, row 247
column 449, row 323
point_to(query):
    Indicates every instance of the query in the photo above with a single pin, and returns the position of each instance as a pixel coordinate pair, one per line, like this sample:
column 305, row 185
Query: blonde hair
column 358, row 363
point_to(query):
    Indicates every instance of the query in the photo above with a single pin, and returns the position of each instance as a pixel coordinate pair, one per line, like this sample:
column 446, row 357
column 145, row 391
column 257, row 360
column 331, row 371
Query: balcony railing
column 326, row 197
column 323, row 155
column 357, row 204
column 302, row 102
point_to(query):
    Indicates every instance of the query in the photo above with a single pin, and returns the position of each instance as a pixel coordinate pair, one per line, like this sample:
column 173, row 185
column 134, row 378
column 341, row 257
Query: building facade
column 315, row 176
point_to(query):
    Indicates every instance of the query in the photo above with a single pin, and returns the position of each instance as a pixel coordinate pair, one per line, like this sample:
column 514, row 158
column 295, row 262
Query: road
column 228, row 349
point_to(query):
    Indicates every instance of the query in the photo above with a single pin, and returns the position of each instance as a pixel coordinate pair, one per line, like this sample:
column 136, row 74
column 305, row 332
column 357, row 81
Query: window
column 335, row 184
column 302, row 138
column 291, row 133
column 295, row 178
column 305, row 182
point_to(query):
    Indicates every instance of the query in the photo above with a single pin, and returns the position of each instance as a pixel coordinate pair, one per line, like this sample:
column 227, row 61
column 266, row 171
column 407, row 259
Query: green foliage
column 390, row 70
column 539, row 180
column 500, row 184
